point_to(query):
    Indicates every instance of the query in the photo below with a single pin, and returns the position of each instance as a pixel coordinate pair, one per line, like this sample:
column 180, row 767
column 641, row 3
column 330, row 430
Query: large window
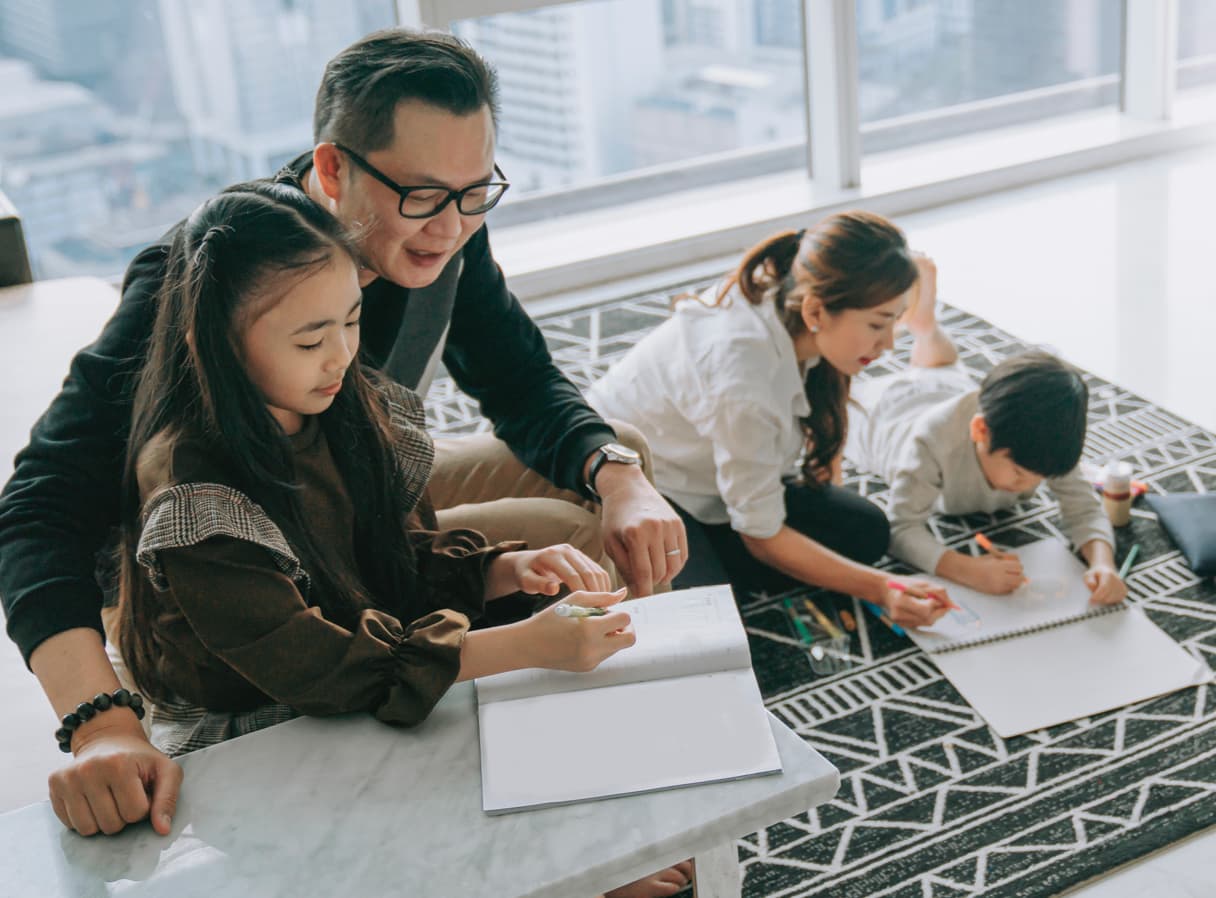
column 933, row 68
column 118, row 117
column 602, row 87
column 1196, row 42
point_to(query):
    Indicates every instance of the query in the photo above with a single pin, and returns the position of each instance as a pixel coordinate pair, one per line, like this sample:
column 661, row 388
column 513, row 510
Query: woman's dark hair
column 363, row 84
column 1036, row 406
column 227, row 262
column 851, row 260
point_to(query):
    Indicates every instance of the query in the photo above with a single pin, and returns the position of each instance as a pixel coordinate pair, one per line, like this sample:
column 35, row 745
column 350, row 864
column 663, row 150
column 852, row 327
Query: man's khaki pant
column 478, row 483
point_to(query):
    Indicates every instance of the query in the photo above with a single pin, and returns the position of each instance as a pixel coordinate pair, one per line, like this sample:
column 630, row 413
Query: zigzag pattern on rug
column 933, row 803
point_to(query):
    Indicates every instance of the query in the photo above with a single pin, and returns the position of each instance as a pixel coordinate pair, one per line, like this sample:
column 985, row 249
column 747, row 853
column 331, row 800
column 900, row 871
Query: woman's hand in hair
column 544, row 572
column 915, row 603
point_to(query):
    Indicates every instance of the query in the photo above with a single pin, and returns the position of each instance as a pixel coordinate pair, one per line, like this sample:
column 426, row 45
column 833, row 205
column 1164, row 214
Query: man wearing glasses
column 404, row 156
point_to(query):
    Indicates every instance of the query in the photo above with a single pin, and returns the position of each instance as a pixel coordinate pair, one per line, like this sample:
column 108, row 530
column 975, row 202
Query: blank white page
column 621, row 740
column 1029, row 682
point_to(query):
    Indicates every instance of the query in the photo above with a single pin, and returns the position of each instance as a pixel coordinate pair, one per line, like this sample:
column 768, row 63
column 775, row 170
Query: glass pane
column 1196, row 42
column 1014, row 62
column 118, row 117
column 602, row 87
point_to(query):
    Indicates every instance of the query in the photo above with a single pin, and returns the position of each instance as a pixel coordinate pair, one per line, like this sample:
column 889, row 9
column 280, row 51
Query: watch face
column 617, row 452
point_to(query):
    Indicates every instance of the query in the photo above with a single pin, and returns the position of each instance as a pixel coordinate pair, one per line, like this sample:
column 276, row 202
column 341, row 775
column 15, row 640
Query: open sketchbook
column 679, row 707
column 1044, row 655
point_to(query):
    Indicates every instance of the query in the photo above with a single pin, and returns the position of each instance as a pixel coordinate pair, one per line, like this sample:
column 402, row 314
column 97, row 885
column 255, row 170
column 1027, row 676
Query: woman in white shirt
column 742, row 396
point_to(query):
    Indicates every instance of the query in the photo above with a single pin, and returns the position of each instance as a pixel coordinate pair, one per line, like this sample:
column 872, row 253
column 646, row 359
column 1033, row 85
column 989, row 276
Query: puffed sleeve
column 250, row 615
column 452, row 567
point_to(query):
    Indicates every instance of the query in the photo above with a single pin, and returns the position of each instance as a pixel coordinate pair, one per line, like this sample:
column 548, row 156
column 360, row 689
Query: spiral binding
column 1026, row 631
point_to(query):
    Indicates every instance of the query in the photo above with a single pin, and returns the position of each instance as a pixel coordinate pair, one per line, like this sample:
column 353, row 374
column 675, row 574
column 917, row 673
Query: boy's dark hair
column 363, row 84
column 1036, row 406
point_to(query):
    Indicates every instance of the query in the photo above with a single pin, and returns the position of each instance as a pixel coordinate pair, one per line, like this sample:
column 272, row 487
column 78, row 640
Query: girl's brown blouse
column 234, row 628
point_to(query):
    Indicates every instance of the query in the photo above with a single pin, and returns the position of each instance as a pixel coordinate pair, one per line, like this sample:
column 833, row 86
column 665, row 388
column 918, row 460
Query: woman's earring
column 814, row 328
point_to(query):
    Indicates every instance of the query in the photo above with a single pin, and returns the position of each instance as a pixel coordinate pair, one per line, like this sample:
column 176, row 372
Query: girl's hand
column 915, row 603
column 580, row 643
column 1104, row 584
column 544, row 572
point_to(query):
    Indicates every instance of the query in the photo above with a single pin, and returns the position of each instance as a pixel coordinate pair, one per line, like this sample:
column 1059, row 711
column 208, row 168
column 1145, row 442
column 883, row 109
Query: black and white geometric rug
column 933, row 803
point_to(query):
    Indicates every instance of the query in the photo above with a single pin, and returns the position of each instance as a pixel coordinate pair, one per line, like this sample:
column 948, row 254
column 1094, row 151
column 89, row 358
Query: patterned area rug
column 932, row 802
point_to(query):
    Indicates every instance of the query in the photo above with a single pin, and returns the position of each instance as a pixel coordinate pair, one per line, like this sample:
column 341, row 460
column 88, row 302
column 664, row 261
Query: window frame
column 834, row 173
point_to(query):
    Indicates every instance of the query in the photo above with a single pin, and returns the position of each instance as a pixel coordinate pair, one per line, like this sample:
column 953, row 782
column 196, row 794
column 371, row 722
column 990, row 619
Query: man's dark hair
column 1035, row 406
column 363, row 84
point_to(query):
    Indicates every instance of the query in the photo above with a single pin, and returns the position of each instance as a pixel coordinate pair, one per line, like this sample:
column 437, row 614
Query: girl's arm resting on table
column 799, row 556
column 253, row 618
column 549, row 640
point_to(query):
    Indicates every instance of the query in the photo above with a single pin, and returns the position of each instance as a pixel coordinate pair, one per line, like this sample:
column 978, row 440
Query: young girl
column 732, row 391
column 279, row 555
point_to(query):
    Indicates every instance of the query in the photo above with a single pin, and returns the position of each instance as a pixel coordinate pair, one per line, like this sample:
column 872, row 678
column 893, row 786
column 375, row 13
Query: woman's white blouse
column 718, row 394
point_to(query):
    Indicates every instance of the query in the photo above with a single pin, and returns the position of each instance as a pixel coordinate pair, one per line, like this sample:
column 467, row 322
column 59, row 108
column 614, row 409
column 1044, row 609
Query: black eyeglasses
column 429, row 201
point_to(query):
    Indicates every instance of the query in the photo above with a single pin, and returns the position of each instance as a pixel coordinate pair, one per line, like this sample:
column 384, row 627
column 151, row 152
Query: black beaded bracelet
column 119, row 698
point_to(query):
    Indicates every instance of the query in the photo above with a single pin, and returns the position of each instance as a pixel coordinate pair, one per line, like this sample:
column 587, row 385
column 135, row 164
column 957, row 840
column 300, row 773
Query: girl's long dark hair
column 851, row 260
column 244, row 244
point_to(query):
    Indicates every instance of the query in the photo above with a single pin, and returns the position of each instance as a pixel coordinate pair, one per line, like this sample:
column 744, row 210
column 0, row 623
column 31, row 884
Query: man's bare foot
column 656, row 885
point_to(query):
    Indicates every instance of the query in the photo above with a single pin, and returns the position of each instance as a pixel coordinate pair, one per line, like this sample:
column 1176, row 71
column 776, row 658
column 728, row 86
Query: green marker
column 1129, row 561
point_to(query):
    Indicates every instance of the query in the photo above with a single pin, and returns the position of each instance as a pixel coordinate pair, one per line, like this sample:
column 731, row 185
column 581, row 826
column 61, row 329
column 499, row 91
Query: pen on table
column 1129, row 561
column 878, row 613
column 899, row 587
column 565, row 609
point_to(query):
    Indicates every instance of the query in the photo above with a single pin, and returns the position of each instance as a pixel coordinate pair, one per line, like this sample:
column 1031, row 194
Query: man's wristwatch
column 613, row 452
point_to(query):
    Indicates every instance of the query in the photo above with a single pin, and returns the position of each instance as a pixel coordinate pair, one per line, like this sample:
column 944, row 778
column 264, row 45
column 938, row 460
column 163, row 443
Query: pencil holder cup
column 827, row 643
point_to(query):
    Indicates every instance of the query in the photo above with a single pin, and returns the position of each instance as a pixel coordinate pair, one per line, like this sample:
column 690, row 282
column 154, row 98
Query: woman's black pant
column 833, row 516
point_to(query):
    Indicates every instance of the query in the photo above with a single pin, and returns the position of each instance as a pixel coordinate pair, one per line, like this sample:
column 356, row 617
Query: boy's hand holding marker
column 998, row 573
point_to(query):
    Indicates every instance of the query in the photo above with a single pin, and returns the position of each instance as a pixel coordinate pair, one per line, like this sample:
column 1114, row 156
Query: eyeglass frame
column 403, row 190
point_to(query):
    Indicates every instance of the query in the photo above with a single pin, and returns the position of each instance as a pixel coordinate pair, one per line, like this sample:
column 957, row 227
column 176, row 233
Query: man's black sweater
column 63, row 500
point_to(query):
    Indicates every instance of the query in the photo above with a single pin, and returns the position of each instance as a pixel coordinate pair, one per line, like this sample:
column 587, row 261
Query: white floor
column 1114, row 270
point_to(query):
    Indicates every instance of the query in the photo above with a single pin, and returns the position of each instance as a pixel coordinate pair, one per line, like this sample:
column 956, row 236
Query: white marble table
column 348, row 806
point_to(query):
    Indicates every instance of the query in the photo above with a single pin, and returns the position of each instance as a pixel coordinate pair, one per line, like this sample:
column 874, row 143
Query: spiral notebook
column 1044, row 655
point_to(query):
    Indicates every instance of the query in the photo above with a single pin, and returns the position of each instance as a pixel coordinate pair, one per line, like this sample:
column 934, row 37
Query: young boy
column 945, row 446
